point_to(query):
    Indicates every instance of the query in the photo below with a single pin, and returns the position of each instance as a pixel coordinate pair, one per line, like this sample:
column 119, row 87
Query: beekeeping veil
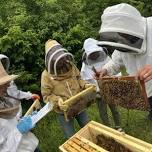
column 91, row 48
column 57, row 59
column 5, row 61
column 123, row 28
column 7, row 109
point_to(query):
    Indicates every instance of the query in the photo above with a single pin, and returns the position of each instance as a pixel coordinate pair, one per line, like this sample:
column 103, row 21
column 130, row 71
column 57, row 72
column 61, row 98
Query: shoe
column 118, row 128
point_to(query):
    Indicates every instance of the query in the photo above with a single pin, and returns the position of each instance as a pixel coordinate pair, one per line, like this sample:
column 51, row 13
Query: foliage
column 25, row 25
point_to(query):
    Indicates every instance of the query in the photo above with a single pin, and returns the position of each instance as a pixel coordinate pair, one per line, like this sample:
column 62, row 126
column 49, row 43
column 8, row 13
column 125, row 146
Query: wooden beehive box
column 86, row 140
column 126, row 91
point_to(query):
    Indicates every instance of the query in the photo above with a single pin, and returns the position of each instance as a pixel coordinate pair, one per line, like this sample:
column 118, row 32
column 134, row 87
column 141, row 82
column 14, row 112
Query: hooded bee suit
column 12, row 91
column 91, row 46
column 59, row 81
column 129, row 34
column 11, row 140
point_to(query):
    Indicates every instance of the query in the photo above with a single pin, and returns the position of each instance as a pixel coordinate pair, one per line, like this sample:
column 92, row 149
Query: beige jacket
column 65, row 86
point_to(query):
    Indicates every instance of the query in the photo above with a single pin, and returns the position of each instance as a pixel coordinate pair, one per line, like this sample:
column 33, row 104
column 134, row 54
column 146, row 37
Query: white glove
column 62, row 105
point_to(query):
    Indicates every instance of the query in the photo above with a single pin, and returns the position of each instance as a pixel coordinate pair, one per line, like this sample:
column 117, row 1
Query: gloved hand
column 62, row 105
column 25, row 124
column 89, row 85
column 35, row 96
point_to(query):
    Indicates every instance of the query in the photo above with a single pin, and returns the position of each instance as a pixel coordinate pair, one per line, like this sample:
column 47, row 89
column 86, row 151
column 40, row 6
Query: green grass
column 51, row 136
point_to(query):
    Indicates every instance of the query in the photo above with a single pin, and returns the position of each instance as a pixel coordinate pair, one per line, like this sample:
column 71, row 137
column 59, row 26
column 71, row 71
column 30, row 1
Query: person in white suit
column 13, row 92
column 129, row 35
column 95, row 56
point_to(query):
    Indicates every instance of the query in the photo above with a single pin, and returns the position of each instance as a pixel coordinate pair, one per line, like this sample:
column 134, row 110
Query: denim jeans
column 102, row 106
column 68, row 126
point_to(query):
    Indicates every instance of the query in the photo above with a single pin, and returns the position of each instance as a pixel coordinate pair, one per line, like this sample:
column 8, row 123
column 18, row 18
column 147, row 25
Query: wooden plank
column 69, row 148
column 84, row 145
column 77, row 147
column 93, row 145
column 36, row 104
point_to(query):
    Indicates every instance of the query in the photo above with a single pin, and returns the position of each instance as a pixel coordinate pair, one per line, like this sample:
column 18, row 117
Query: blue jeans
column 68, row 126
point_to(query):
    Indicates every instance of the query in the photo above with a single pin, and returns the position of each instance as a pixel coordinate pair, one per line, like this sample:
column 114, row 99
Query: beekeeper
column 129, row 34
column 12, row 91
column 14, row 135
column 95, row 56
column 59, row 81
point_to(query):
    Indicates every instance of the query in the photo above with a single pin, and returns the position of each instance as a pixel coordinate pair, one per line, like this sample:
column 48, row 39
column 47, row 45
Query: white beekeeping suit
column 13, row 92
column 11, row 140
column 95, row 56
column 129, row 34
column 14, row 135
column 91, row 46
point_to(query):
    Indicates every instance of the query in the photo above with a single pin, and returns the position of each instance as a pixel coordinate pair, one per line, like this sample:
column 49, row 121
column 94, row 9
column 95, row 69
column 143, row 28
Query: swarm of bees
column 110, row 144
column 80, row 105
column 128, row 93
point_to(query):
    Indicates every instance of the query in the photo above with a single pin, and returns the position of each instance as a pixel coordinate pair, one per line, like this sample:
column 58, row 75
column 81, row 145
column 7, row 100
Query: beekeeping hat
column 5, row 61
column 7, row 108
column 55, row 53
column 4, row 77
column 91, row 48
column 123, row 28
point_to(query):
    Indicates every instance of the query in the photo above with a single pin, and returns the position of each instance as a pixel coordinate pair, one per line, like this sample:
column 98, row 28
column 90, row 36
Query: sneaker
column 118, row 128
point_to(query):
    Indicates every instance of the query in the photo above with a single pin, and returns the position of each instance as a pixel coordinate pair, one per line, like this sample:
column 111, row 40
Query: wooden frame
column 87, row 139
column 75, row 100
column 126, row 78
column 35, row 105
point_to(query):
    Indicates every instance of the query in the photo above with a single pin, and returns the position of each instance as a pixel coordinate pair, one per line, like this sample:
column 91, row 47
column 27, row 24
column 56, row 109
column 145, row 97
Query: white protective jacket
column 13, row 91
column 11, row 140
column 90, row 46
column 134, row 62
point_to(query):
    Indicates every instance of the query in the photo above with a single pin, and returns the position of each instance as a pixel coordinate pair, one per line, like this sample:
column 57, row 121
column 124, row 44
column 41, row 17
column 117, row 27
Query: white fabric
column 2, row 56
column 87, row 73
column 133, row 62
column 11, row 140
column 90, row 46
column 124, row 18
column 13, row 91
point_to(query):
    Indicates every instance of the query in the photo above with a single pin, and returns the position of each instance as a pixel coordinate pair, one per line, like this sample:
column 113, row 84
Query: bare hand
column 100, row 74
column 145, row 73
column 103, row 73
column 35, row 96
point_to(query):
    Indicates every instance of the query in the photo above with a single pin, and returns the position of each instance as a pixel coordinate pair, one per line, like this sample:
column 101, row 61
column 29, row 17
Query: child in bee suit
column 13, row 92
column 95, row 56
column 59, row 81
column 14, row 134
column 129, row 34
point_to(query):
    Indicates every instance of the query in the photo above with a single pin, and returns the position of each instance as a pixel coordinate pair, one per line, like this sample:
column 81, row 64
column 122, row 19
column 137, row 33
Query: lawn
column 51, row 135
